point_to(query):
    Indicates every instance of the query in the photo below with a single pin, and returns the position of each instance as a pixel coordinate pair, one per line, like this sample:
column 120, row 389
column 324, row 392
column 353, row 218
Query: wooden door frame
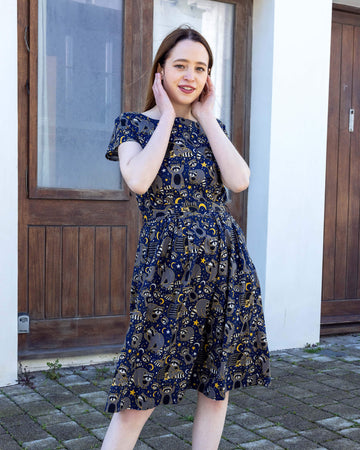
column 349, row 320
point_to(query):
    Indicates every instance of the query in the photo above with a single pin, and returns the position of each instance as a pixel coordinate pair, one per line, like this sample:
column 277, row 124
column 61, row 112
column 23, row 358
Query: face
column 185, row 72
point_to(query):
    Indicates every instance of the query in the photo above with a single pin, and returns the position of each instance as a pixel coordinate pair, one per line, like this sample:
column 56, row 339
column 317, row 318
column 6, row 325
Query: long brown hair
column 179, row 34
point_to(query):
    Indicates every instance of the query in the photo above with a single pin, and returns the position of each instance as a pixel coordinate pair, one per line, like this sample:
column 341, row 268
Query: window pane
column 214, row 20
column 79, row 92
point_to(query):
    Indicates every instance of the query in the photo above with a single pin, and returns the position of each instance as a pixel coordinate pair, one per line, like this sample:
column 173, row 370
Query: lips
column 186, row 89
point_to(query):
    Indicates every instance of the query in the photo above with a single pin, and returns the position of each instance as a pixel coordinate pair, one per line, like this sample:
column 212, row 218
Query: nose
column 189, row 74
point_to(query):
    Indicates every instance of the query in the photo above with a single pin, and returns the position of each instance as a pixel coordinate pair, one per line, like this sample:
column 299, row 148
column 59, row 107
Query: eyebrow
column 185, row 60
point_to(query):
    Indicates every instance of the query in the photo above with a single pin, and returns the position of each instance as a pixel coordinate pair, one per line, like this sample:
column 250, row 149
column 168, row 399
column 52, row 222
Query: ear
column 159, row 69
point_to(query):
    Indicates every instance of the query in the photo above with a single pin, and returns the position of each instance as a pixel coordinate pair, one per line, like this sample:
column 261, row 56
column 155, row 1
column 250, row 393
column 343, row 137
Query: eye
column 179, row 66
column 200, row 69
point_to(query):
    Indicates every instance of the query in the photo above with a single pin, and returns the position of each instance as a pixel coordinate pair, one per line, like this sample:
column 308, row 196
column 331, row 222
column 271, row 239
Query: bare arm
column 138, row 166
column 234, row 170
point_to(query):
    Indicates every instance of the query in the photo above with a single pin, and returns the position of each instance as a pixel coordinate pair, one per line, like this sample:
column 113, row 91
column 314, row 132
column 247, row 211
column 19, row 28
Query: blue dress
column 196, row 316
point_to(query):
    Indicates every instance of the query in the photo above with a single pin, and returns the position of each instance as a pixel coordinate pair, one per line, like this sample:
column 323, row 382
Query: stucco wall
column 8, row 193
column 291, row 56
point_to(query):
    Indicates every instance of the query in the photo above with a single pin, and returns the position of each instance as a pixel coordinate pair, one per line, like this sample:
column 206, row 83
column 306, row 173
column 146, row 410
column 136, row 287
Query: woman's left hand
column 204, row 105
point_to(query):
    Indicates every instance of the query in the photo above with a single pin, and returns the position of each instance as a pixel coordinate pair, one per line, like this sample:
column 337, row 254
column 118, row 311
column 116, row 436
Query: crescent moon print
column 196, row 315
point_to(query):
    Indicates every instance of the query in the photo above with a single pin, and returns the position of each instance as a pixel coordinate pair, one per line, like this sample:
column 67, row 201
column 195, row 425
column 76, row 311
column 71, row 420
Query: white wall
column 291, row 56
column 8, row 193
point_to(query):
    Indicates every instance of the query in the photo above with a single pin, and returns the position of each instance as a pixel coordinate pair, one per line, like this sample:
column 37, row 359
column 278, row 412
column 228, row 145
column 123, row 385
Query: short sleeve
column 124, row 130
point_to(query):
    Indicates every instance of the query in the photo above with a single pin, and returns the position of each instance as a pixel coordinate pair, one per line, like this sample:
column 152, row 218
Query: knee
column 213, row 405
column 132, row 418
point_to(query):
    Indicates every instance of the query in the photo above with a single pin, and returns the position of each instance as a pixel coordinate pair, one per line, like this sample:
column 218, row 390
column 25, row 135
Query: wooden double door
column 77, row 242
column 341, row 262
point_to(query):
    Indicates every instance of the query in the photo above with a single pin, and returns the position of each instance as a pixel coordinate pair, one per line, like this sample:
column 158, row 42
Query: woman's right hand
column 162, row 100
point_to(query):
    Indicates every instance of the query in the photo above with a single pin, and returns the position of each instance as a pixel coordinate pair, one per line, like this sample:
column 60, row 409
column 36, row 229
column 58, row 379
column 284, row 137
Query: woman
column 196, row 318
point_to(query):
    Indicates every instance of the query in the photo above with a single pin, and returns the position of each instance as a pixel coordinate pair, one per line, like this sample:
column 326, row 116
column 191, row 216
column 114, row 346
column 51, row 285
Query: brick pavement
column 313, row 403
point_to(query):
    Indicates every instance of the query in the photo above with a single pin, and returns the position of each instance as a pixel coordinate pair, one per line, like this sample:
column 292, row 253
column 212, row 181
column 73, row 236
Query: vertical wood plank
column 102, row 271
column 118, row 269
column 36, row 283
column 69, row 303
column 343, row 163
column 53, row 273
column 331, row 165
column 86, row 271
column 354, row 197
column 23, row 114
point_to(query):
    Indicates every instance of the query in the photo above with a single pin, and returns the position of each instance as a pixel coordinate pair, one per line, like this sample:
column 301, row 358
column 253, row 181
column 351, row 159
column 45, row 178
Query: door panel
column 76, row 245
column 341, row 262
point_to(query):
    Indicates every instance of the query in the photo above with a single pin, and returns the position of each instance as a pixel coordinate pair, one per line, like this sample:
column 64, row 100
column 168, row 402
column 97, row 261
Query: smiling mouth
column 187, row 89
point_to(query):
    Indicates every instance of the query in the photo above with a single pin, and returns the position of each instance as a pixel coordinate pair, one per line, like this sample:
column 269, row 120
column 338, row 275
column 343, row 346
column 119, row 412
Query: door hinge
column 351, row 120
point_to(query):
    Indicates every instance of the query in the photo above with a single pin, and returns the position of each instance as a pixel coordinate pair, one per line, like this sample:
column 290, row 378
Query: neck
column 183, row 111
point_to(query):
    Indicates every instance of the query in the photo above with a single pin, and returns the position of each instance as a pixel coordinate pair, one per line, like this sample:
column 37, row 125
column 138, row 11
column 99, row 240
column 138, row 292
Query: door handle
column 351, row 120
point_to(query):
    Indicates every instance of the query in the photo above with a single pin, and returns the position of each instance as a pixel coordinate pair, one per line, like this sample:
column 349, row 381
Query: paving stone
column 354, row 401
column 262, row 444
column 296, row 392
column 226, row 445
column 311, row 413
column 238, row 435
column 78, row 408
column 8, row 408
column 319, row 400
column 286, row 402
column 16, row 389
column 343, row 385
column 293, row 422
column 269, row 411
column 345, row 411
column 184, row 431
column 7, row 443
column 42, row 444
column 352, row 433
column 55, row 417
column 142, row 446
column 22, row 399
column 58, row 396
column 23, row 428
column 84, row 443
column 232, row 410
column 252, row 421
column 66, row 430
column 335, row 423
column 320, row 435
column 167, row 417
column 100, row 432
column 298, row 442
column 91, row 420
column 82, row 388
column 167, row 442
column 73, row 380
column 185, row 410
column 342, row 444
column 154, row 429
column 97, row 399
column 39, row 408
column 275, row 433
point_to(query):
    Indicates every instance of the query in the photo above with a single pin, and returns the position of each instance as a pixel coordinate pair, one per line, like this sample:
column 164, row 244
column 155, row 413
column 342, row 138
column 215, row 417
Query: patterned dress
column 196, row 317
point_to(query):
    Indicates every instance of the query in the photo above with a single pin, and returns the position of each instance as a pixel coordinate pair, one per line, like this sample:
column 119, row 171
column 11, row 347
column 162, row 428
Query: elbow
column 137, row 185
column 138, row 188
column 241, row 184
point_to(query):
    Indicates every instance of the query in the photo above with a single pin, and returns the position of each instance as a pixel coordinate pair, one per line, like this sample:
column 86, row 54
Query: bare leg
column 125, row 428
column 209, row 422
